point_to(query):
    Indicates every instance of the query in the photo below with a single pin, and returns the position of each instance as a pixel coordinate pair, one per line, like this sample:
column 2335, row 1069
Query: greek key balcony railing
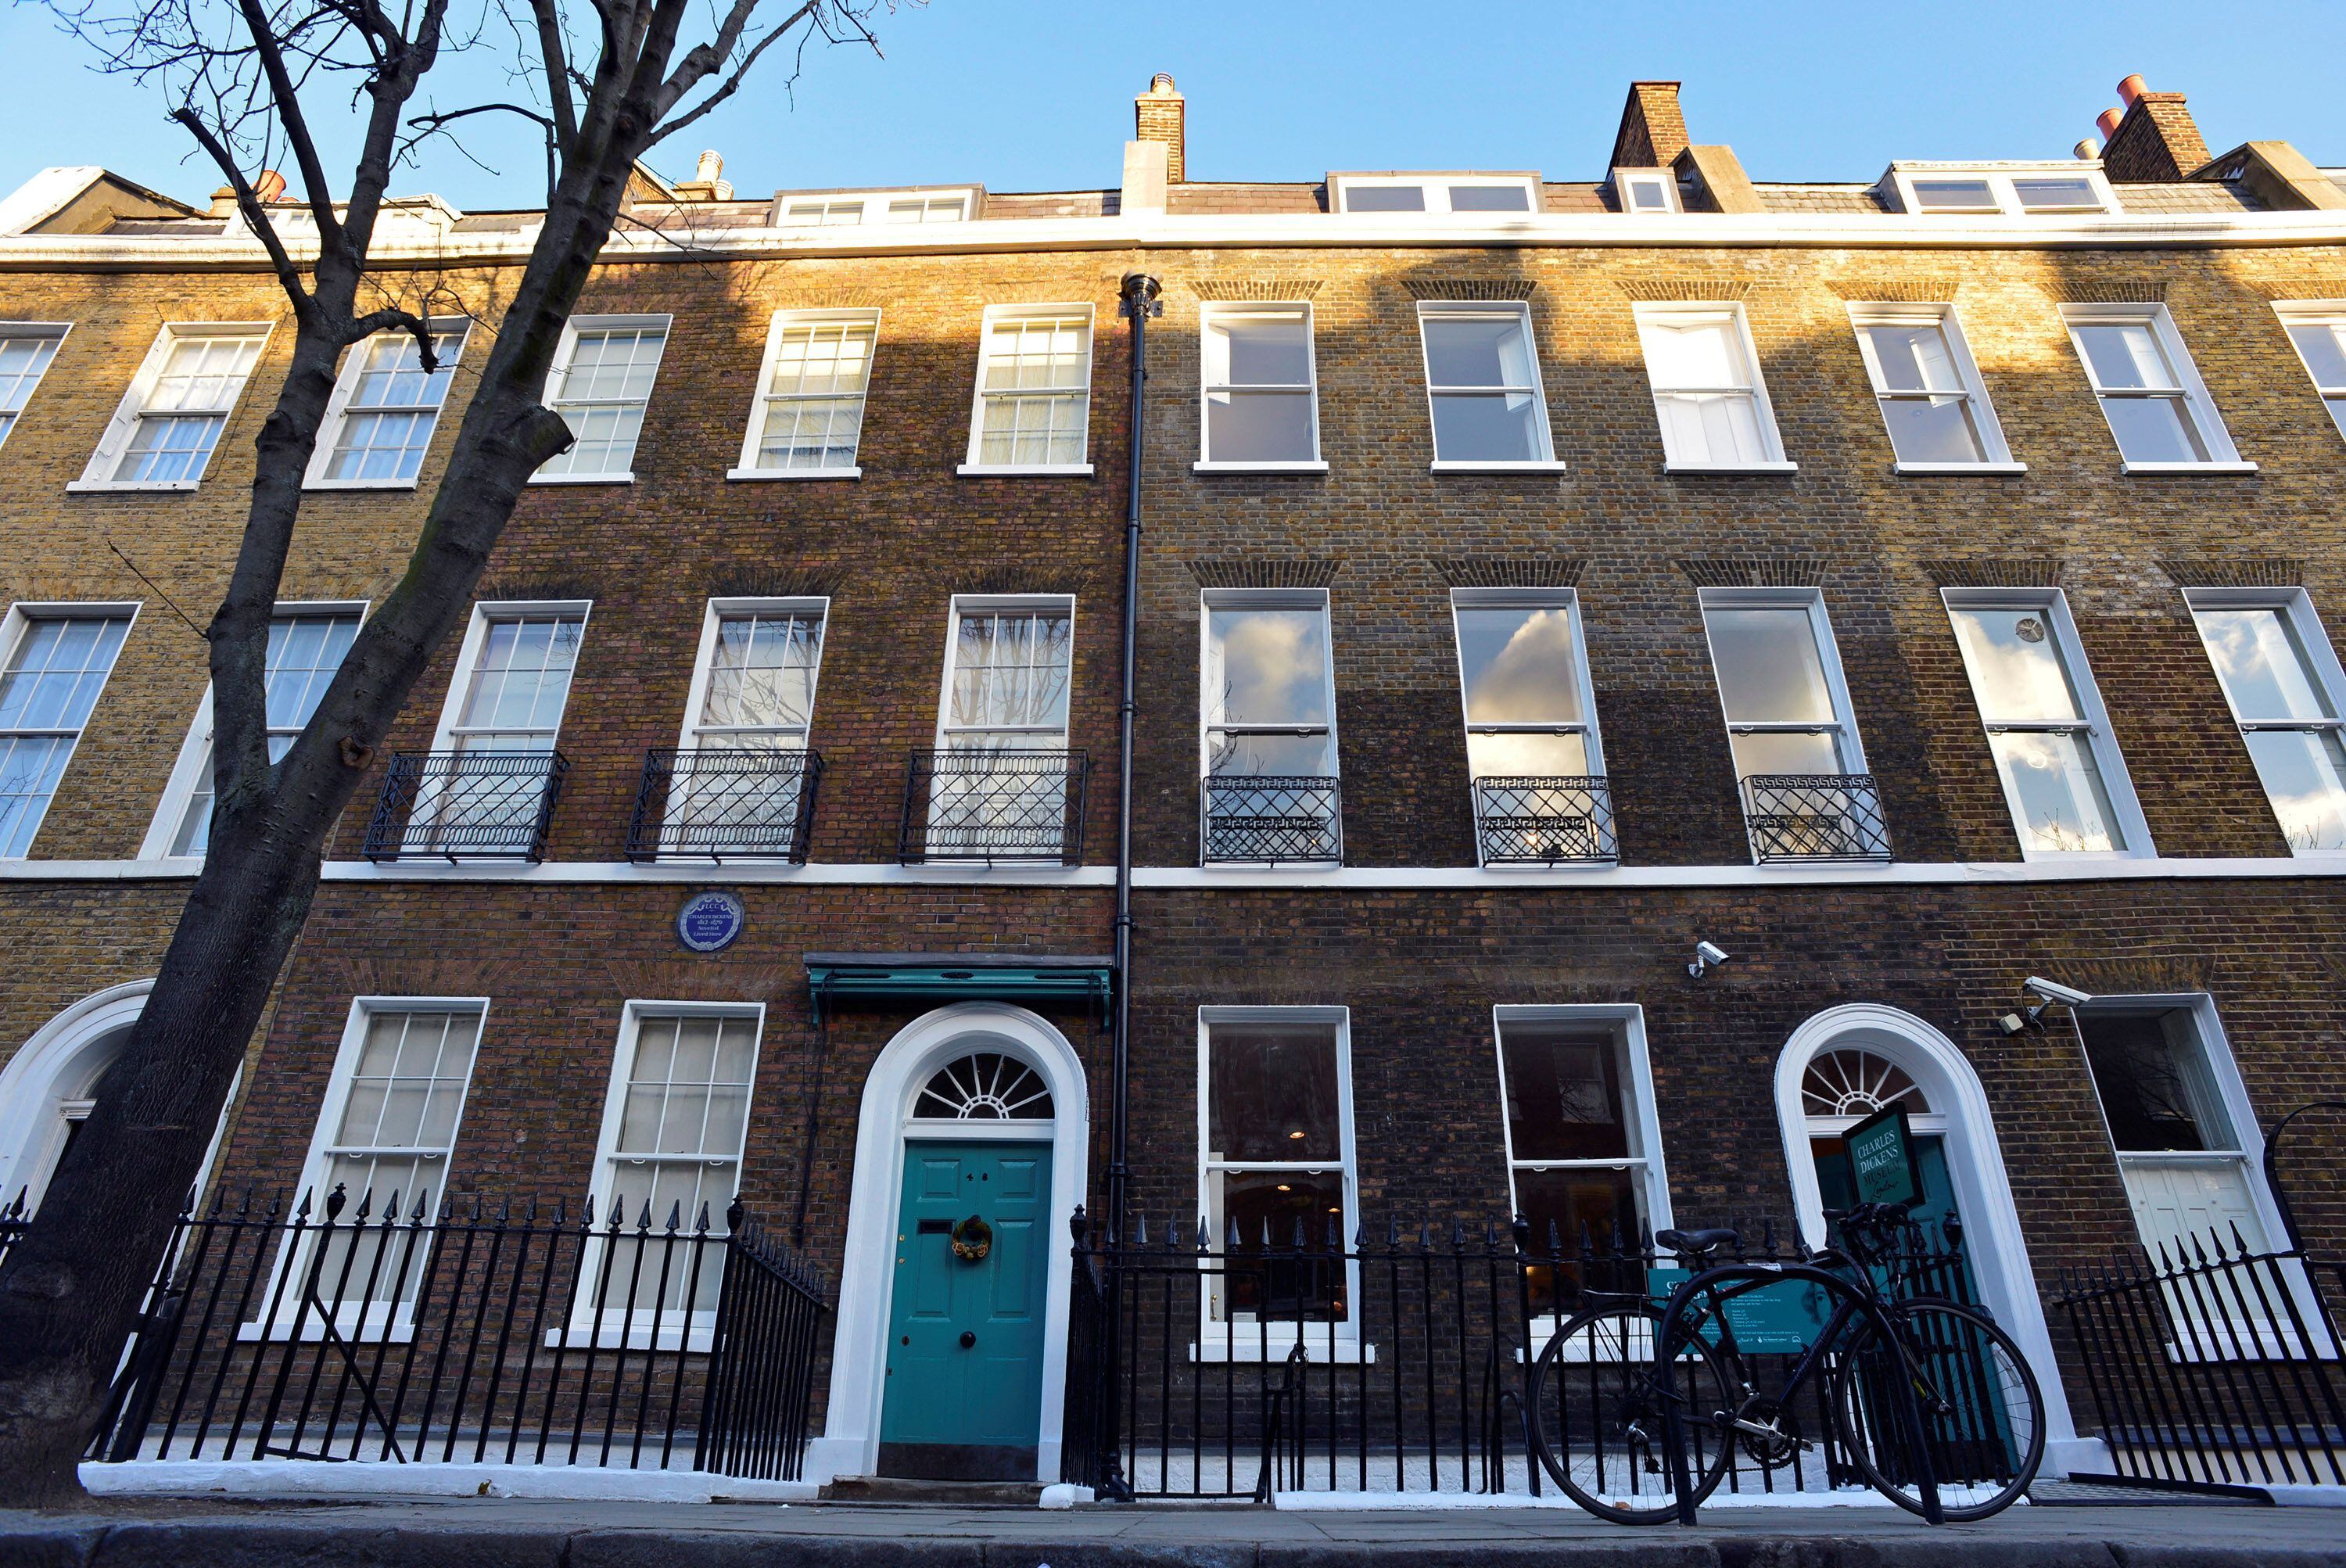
column 466, row 805
column 1814, row 817
column 724, row 803
column 994, row 806
column 1542, row 821
column 1261, row 818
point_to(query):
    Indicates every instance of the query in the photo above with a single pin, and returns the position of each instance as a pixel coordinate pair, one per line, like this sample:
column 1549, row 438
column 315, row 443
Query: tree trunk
column 64, row 1305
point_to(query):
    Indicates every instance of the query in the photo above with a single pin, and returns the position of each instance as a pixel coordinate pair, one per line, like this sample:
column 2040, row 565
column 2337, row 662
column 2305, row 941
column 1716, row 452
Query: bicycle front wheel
column 1983, row 1415
column 1597, row 1415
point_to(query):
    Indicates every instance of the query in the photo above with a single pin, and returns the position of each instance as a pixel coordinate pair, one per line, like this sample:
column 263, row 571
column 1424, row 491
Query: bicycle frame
column 1722, row 1283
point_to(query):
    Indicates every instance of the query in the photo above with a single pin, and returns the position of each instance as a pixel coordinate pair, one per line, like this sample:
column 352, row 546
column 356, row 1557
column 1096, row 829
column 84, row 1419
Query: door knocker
column 973, row 1239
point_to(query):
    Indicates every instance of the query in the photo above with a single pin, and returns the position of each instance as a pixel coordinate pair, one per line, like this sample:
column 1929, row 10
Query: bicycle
column 1637, row 1409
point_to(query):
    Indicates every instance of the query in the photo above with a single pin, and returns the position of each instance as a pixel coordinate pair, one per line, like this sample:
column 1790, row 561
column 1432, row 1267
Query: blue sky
column 1024, row 96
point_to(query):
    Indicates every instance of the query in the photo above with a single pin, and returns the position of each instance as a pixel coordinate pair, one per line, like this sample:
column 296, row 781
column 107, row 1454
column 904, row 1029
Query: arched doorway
column 1847, row 1061
column 47, row 1087
column 950, row 1359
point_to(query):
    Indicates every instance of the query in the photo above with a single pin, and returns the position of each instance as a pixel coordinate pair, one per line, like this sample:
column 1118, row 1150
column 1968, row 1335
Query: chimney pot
column 710, row 168
column 1161, row 115
column 2108, row 120
column 2133, row 88
column 2088, row 149
column 269, row 185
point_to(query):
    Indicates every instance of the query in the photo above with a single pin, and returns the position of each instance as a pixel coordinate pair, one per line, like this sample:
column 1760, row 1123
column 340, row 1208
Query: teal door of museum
column 1837, row 1187
column 964, row 1365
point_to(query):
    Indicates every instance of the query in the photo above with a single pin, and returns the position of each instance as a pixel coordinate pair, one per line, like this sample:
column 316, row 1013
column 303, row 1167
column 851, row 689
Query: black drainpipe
column 1140, row 301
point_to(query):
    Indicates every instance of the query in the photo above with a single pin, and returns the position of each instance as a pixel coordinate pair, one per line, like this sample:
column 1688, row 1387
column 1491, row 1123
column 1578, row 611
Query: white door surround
column 61, row 1061
column 1992, row 1237
column 850, row 1443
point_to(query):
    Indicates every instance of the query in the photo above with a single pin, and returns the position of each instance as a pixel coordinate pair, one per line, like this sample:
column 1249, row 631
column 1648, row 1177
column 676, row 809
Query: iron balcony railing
column 724, row 803
column 470, row 1333
column 1814, row 817
column 994, row 806
column 1545, row 822
column 1260, row 818
column 466, row 806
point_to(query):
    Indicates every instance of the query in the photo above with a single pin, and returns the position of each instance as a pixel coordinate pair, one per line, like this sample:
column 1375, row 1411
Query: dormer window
column 1455, row 193
column 855, row 208
column 1645, row 190
column 2007, row 189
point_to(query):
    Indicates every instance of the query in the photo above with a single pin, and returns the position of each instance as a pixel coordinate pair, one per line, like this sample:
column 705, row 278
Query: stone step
column 900, row 1490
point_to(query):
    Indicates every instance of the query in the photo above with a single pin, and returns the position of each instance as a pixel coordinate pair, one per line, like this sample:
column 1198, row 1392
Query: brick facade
column 1415, row 940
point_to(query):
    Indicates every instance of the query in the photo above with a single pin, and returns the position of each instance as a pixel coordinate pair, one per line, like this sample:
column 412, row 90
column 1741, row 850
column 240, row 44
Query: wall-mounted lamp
column 1705, row 954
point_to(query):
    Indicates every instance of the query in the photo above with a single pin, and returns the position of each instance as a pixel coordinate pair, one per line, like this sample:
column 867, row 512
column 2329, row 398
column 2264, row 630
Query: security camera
column 1706, row 954
column 2053, row 992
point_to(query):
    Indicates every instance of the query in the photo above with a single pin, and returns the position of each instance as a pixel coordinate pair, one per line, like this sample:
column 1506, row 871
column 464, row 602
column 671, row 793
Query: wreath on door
column 973, row 1239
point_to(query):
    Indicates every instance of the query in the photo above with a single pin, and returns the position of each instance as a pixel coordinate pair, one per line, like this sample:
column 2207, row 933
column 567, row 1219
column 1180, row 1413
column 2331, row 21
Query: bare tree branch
column 554, row 60
column 248, row 202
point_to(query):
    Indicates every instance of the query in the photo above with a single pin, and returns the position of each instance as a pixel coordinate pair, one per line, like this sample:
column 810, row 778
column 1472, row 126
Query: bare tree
column 250, row 80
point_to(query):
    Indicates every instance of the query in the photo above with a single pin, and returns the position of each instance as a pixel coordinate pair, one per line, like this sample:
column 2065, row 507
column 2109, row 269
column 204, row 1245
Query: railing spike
column 618, row 1211
column 1360, row 1234
column 1768, row 1235
column 2239, row 1241
column 1300, row 1242
column 644, row 1219
column 675, row 1215
column 366, row 1203
column 1335, row 1234
column 1205, row 1235
column 701, row 1225
column 1392, row 1231
column 1555, row 1238
column 1233, row 1244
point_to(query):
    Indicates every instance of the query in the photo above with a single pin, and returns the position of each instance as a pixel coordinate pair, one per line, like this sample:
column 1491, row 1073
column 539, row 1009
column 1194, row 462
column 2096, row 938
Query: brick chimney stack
column 2152, row 139
column 1159, row 115
column 1653, row 129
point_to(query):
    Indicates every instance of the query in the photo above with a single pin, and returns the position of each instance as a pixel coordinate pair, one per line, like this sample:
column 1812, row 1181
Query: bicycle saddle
column 1696, row 1243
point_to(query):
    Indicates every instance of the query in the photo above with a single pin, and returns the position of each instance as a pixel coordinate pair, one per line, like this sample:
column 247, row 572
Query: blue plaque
column 709, row 920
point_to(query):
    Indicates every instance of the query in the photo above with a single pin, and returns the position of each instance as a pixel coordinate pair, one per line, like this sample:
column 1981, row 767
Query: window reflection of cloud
column 2017, row 681
column 1529, row 679
column 1272, row 668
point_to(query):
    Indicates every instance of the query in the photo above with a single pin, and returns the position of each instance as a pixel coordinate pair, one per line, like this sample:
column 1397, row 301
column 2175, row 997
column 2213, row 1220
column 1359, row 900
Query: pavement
column 510, row 1532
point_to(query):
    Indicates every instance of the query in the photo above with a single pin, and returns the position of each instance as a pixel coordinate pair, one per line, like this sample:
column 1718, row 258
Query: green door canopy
column 1040, row 980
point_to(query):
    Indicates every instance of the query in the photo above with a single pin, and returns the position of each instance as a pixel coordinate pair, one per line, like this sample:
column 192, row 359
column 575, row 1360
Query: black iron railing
column 1814, row 817
column 473, row 1335
column 724, row 804
column 2215, row 1365
column 14, row 1218
column 466, row 806
column 1265, row 818
column 1238, row 1366
column 1545, row 821
column 994, row 806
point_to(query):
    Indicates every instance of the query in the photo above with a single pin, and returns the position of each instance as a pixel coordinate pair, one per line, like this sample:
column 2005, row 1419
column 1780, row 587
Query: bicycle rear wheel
column 1982, row 1415
column 1598, row 1419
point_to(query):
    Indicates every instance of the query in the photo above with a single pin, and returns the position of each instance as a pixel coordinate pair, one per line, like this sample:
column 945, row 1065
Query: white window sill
column 1730, row 468
column 1543, row 466
column 1272, row 1347
column 758, row 474
column 1208, row 467
column 582, row 479
column 2067, row 856
column 1023, row 470
column 1959, row 468
column 359, row 483
column 313, row 1331
column 128, row 486
column 2189, row 467
column 672, row 1336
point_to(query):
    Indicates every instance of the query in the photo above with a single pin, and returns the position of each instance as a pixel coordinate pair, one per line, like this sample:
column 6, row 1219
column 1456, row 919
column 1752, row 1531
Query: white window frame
column 1591, row 740
column 558, row 375
column 1220, row 1338
column 14, row 626
column 187, row 767
column 2228, row 1339
column 52, row 332
column 1211, row 599
column 1519, row 311
column 1436, row 184
column 689, row 737
column 978, row 394
column 962, row 604
column 1627, row 1022
column 1625, row 178
column 389, row 1322
column 1216, row 311
column 417, row 838
column 1848, row 745
column 114, row 443
column 759, row 396
column 346, row 386
column 2198, row 405
column 874, row 206
column 607, row 1327
column 2294, row 605
column 1996, row 455
column 1730, row 313
column 2331, row 314
column 2109, row 760
column 1999, row 178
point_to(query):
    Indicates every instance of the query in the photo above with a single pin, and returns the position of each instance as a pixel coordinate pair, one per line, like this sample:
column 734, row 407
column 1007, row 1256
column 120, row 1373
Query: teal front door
column 1837, row 1187
column 965, row 1381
